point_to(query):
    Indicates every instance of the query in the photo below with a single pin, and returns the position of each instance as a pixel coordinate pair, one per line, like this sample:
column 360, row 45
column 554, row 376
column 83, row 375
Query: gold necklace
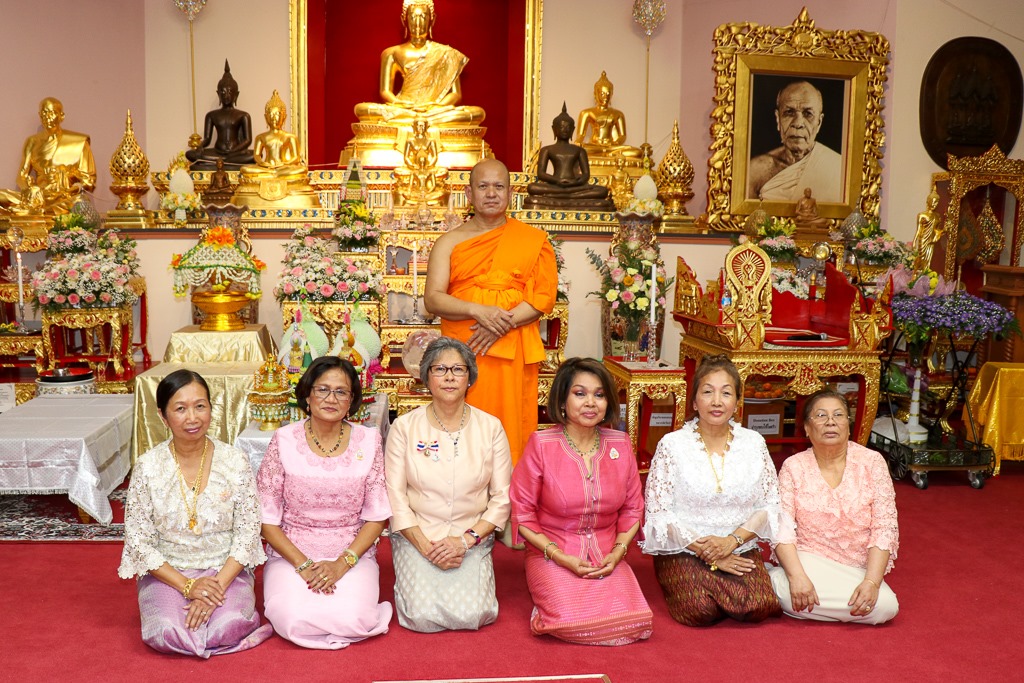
column 728, row 442
column 458, row 432
column 193, row 512
column 572, row 444
column 325, row 453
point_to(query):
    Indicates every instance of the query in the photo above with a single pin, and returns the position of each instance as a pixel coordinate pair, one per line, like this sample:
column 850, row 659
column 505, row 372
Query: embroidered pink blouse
column 841, row 523
column 552, row 493
column 321, row 503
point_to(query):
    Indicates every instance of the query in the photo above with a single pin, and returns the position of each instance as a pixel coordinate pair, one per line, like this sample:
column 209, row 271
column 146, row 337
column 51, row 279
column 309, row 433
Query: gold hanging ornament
column 648, row 14
column 191, row 9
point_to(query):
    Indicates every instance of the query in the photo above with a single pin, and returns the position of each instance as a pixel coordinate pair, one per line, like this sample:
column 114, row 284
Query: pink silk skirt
column 609, row 611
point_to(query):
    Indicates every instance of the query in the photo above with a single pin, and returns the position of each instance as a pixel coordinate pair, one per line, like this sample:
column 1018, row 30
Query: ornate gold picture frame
column 752, row 64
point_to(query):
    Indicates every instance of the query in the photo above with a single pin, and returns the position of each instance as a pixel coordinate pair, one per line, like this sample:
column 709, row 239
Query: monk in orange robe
column 491, row 279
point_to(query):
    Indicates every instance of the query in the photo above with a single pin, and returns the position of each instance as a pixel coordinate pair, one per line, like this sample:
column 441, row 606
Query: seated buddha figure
column 280, row 171
column 807, row 213
column 568, row 183
column 233, row 129
column 602, row 130
column 430, row 89
column 56, row 166
column 420, row 180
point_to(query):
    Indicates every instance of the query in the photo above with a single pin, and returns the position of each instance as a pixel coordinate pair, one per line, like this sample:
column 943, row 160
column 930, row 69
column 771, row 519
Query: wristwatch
column 350, row 557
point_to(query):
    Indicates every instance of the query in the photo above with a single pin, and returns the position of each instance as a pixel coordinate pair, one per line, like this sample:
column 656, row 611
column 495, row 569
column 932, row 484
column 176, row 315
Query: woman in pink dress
column 846, row 535
column 577, row 501
column 324, row 504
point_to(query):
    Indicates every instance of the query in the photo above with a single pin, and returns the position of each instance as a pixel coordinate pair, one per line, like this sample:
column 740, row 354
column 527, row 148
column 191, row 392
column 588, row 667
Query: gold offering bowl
column 221, row 309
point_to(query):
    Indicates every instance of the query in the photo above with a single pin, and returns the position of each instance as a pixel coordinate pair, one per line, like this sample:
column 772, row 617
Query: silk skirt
column 232, row 627
column 429, row 599
column 834, row 583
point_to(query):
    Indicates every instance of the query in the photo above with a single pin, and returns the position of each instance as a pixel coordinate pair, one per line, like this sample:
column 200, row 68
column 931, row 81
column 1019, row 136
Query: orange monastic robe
column 503, row 267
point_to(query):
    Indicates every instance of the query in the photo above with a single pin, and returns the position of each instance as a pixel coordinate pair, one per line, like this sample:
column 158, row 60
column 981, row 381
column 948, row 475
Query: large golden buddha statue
column 430, row 90
column 279, row 177
column 56, row 166
column 601, row 129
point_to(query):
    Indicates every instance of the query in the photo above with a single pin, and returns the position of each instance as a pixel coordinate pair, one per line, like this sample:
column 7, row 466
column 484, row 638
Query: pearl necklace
column 458, row 432
column 728, row 442
column 192, row 511
column 325, row 452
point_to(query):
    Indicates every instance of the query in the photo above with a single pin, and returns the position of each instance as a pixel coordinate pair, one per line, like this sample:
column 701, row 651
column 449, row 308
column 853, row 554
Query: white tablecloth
column 255, row 442
column 79, row 445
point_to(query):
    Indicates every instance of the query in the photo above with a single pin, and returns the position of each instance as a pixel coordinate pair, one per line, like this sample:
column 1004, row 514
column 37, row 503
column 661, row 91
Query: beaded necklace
column 458, row 432
column 325, row 452
column 719, row 478
column 192, row 511
column 572, row 444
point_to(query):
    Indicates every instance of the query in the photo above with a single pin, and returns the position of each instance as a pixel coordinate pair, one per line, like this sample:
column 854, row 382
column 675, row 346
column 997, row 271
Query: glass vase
column 631, row 341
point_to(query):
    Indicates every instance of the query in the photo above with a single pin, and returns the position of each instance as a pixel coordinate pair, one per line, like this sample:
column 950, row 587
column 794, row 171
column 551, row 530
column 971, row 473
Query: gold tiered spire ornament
column 431, row 90
column 129, row 169
column 675, row 178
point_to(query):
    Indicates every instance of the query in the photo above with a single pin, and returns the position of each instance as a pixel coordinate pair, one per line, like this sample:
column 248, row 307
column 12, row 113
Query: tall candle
column 415, row 268
column 652, row 294
column 21, row 289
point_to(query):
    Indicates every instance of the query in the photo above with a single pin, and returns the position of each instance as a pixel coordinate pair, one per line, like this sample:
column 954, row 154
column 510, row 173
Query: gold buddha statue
column 601, row 129
column 420, row 180
column 279, row 177
column 56, row 166
column 430, row 90
column 929, row 231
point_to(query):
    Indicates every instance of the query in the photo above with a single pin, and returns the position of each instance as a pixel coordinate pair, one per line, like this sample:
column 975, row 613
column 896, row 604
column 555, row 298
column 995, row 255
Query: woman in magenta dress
column 324, row 504
column 577, row 501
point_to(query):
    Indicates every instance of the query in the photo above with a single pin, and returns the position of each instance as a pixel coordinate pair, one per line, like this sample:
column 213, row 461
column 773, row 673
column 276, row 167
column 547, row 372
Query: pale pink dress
column 320, row 504
column 552, row 493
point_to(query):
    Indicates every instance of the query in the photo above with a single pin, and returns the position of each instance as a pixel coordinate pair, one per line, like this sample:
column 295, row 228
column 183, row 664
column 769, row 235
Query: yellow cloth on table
column 191, row 345
column 230, row 384
column 997, row 402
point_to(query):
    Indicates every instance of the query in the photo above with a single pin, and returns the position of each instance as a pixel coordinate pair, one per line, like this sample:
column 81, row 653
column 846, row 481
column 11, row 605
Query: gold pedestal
column 34, row 227
column 275, row 193
column 377, row 145
column 129, row 219
column 221, row 310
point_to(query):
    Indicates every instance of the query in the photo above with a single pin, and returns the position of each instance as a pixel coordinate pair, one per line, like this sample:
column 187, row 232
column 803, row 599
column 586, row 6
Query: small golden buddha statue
column 807, row 212
column 279, row 177
column 929, row 231
column 431, row 90
column 420, row 180
column 56, row 166
column 601, row 129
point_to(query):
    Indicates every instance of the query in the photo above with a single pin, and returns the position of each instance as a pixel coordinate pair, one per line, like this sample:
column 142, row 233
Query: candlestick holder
column 15, row 237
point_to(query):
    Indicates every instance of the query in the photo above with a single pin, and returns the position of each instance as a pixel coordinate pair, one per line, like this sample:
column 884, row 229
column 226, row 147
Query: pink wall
column 89, row 55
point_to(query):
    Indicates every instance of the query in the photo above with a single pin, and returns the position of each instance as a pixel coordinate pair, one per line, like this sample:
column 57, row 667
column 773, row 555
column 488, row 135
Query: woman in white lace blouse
column 712, row 492
column 192, row 532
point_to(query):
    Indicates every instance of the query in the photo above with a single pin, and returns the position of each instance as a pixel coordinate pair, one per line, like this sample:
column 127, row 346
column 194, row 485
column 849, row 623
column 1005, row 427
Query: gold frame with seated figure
column 298, row 53
column 747, row 50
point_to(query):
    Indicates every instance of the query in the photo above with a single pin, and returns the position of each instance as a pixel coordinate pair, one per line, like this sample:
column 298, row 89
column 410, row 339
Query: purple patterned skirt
column 233, row 627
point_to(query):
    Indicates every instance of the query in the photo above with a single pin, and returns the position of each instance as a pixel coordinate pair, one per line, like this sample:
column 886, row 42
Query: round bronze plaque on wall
column 971, row 96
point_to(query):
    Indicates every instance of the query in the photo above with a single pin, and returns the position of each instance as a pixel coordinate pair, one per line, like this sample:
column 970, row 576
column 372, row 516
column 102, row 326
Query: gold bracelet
column 625, row 548
column 872, row 583
column 546, row 555
column 188, row 587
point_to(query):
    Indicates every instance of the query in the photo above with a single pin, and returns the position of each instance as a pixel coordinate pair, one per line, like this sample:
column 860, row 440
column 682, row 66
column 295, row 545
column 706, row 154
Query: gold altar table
column 192, row 345
column 997, row 401
column 642, row 386
column 112, row 327
column 230, row 384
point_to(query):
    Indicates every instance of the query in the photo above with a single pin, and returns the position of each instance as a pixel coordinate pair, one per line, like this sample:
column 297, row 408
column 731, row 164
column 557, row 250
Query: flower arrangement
column 876, row 247
column 219, row 262
column 775, row 237
column 564, row 284
column 313, row 273
column 82, row 270
column 181, row 195
column 354, row 226
column 788, row 281
column 11, row 328
column 625, row 282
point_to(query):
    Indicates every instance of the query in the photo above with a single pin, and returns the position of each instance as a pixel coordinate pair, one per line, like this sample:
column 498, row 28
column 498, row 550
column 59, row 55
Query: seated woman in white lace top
column 846, row 537
column 712, row 492
column 192, row 532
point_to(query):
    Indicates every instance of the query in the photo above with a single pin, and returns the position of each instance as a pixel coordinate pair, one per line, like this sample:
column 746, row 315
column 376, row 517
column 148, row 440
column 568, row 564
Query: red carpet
column 67, row 616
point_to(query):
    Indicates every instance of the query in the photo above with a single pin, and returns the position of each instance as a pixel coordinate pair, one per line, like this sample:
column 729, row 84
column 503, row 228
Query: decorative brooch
column 614, row 454
column 429, row 449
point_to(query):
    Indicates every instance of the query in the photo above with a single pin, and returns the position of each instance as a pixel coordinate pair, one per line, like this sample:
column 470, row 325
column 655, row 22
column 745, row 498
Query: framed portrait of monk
column 796, row 108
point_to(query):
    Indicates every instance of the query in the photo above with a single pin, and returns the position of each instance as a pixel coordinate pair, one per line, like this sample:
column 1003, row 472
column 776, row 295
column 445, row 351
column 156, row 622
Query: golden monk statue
column 430, row 90
column 421, row 180
column 280, row 170
column 56, row 166
column 929, row 231
column 607, row 126
column 807, row 212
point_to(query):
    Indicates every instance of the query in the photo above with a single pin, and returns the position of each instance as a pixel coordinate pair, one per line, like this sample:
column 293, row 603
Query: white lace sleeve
column 246, row 546
column 140, row 554
column 768, row 520
column 665, row 529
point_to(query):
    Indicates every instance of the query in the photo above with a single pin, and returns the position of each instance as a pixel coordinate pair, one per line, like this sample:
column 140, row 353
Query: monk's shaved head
column 486, row 164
